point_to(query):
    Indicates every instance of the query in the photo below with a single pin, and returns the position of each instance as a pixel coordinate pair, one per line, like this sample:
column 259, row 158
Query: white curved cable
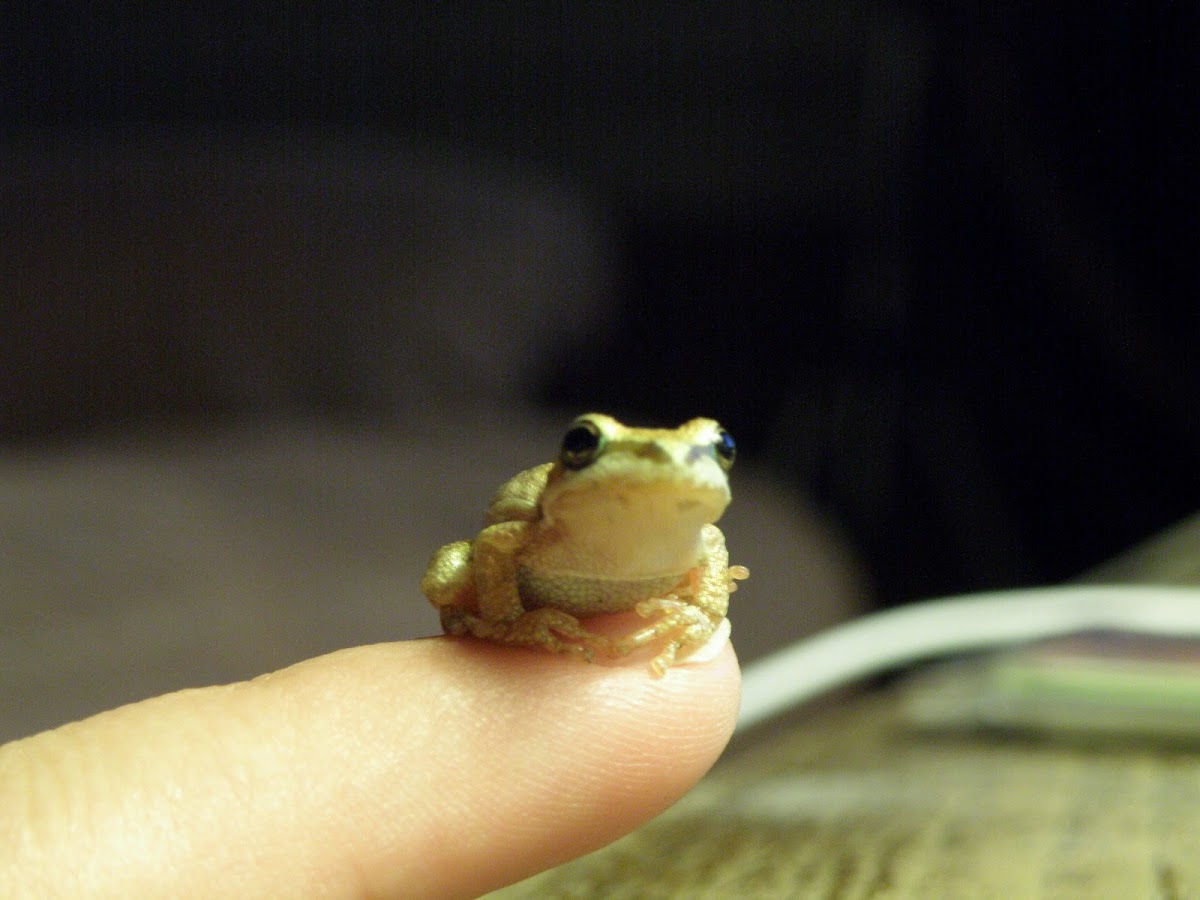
column 907, row 634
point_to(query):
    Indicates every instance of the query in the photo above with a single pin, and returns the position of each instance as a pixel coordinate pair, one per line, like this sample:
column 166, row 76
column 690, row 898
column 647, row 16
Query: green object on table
column 1089, row 685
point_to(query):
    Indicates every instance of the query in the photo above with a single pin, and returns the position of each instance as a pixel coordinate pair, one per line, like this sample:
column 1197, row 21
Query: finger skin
column 436, row 768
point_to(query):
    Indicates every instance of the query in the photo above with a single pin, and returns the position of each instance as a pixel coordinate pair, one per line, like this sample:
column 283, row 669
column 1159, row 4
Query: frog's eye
column 581, row 445
column 725, row 449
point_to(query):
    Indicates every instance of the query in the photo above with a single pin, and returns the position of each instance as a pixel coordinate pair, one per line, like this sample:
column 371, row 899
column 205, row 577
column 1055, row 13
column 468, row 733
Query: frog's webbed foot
column 687, row 627
column 551, row 629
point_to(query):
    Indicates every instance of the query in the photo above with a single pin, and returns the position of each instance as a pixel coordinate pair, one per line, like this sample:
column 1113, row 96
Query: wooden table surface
column 847, row 799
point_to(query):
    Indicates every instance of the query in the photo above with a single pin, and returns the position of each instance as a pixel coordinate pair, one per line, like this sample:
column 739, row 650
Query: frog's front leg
column 691, row 615
column 500, row 612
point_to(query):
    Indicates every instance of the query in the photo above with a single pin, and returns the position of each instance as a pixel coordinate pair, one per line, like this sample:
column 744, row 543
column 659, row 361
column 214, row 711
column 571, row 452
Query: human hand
column 432, row 768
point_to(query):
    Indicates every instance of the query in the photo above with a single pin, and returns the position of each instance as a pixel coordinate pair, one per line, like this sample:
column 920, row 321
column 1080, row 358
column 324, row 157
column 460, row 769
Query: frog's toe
column 699, row 644
column 685, row 626
column 555, row 630
column 734, row 574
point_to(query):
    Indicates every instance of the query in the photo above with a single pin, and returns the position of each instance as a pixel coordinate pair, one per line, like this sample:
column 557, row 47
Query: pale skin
column 623, row 520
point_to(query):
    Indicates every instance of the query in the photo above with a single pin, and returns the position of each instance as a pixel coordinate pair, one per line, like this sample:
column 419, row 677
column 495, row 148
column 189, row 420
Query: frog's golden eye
column 725, row 449
column 582, row 443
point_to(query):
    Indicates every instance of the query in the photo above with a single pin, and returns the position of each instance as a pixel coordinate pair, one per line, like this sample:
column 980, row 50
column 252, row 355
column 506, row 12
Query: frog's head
column 641, row 491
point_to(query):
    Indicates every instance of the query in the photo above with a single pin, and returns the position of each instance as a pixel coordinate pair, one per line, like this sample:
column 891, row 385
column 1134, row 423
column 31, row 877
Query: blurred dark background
column 934, row 264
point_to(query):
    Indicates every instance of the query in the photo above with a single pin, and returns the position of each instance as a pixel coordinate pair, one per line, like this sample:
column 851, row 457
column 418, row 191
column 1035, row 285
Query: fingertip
column 434, row 768
column 569, row 756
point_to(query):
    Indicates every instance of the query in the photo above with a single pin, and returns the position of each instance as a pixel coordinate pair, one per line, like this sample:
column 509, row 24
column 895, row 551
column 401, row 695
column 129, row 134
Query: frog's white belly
column 581, row 596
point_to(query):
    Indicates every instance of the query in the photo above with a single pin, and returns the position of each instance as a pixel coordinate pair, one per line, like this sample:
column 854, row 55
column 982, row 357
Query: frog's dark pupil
column 725, row 447
column 580, row 445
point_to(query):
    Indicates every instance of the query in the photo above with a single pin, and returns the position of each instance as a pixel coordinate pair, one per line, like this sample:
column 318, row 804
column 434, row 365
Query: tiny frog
column 622, row 520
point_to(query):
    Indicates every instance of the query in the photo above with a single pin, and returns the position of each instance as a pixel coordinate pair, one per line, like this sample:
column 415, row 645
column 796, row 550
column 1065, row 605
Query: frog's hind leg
column 448, row 581
column 551, row 629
